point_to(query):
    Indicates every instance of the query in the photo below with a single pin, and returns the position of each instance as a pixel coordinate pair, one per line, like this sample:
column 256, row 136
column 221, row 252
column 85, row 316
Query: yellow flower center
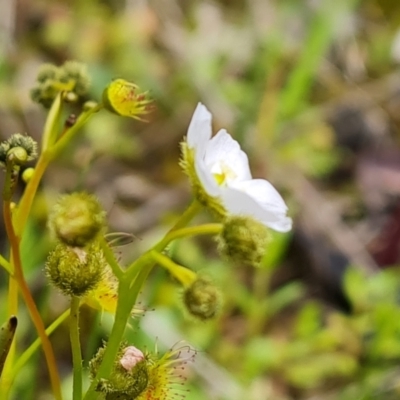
column 222, row 173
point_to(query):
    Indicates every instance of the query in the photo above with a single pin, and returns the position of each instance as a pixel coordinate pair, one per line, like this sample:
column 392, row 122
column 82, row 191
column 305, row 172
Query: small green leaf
column 7, row 332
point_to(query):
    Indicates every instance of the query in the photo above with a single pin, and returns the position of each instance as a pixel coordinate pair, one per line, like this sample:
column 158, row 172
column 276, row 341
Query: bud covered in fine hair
column 71, row 78
column 142, row 376
column 75, row 271
column 243, row 240
column 122, row 383
column 77, row 219
column 202, row 299
column 124, row 98
column 18, row 149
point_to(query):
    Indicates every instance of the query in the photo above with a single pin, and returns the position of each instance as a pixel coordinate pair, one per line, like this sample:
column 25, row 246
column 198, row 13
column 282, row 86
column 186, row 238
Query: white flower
column 222, row 170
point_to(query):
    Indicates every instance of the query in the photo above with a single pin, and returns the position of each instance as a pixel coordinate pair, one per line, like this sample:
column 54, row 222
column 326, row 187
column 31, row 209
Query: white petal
column 199, row 132
column 222, row 149
column 206, row 178
column 272, row 215
column 264, row 193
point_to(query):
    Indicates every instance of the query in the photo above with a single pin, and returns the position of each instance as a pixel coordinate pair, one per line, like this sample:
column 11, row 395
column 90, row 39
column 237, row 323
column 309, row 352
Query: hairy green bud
column 76, row 72
column 77, row 219
column 243, row 240
column 202, row 299
column 71, row 78
column 18, row 149
column 46, row 72
column 129, row 376
column 75, row 271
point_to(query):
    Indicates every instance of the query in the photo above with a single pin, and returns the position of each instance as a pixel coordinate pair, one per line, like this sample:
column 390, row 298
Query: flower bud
column 47, row 71
column 17, row 156
column 131, row 357
column 202, row 299
column 147, row 376
column 77, row 219
column 70, row 97
column 76, row 72
column 243, row 240
column 122, row 383
column 18, row 149
column 27, row 174
column 123, row 98
column 71, row 78
column 90, row 105
column 75, row 271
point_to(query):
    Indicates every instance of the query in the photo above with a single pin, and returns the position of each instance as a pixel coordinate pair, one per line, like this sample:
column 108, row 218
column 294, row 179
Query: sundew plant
column 82, row 264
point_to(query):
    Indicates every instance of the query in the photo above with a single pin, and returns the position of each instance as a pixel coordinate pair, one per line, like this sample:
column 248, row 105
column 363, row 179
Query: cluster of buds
column 17, row 150
column 71, row 78
column 77, row 266
column 138, row 375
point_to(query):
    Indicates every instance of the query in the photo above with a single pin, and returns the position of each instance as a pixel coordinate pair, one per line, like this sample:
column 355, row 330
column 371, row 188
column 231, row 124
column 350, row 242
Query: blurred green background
column 311, row 90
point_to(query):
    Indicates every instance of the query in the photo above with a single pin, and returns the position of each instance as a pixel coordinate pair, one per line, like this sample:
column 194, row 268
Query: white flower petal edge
column 199, row 132
column 263, row 193
column 241, row 203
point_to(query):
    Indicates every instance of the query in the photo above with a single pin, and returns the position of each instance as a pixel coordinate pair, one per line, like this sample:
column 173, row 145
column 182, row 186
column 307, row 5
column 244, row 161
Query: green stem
column 52, row 122
column 184, row 275
column 25, row 204
column 30, row 351
column 45, row 158
column 187, row 216
column 206, row 229
column 110, row 258
column 29, row 301
column 122, row 314
column 76, row 348
column 69, row 133
column 129, row 287
column 6, row 265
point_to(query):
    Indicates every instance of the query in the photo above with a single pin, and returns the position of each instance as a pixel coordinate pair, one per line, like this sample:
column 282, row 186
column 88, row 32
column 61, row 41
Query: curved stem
column 206, row 229
column 25, row 204
column 76, row 348
column 27, row 199
column 30, row 303
column 110, row 258
column 182, row 274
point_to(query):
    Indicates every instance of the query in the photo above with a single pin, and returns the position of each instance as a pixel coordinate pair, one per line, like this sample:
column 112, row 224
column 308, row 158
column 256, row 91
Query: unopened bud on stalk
column 243, row 240
column 123, row 383
column 18, row 150
column 77, row 219
column 124, row 98
column 202, row 299
column 27, row 174
column 75, row 271
column 142, row 376
column 71, row 78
